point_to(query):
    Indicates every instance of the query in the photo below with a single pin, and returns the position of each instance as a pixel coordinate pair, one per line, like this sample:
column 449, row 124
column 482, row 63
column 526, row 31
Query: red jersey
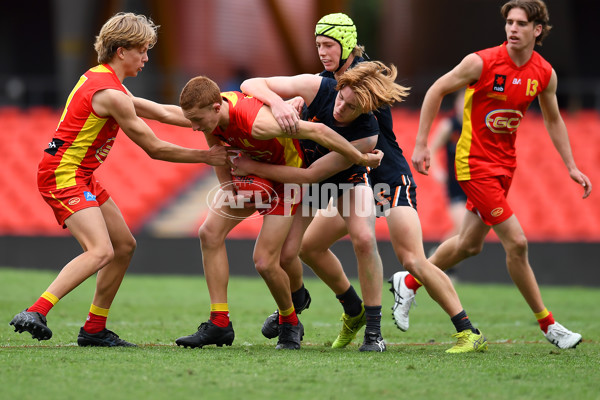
column 494, row 108
column 242, row 113
column 82, row 139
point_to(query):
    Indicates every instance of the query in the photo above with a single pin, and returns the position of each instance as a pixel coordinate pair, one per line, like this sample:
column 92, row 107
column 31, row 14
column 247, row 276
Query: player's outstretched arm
column 272, row 92
column 323, row 168
column 330, row 139
column 120, row 106
column 266, row 127
column 165, row 113
column 558, row 133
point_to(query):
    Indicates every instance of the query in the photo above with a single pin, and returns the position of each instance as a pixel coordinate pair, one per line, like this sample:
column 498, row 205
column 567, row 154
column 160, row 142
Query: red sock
column 220, row 318
column 42, row 306
column 94, row 323
column 545, row 322
column 290, row 319
column 411, row 282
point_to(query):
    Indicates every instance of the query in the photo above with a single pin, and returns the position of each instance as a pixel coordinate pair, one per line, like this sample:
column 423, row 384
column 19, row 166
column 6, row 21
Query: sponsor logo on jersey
column 503, row 120
column 499, row 82
column 89, row 196
column 496, row 212
column 54, row 145
column 516, row 81
column 74, row 200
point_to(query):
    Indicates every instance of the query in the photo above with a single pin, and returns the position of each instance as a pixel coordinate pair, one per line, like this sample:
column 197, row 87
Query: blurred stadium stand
column 546, row 201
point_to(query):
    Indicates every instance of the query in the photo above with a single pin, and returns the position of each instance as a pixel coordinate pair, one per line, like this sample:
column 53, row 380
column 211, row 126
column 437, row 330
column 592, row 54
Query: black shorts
column 386, row 196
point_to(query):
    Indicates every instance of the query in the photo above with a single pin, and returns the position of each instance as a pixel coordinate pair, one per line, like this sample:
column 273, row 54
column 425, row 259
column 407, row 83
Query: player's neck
column 119, row 71
column 344, row 68
column 520, row 56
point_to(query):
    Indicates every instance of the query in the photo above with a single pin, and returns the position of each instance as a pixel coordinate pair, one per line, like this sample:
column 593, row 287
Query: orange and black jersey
column 394, row 168
column 321, row 110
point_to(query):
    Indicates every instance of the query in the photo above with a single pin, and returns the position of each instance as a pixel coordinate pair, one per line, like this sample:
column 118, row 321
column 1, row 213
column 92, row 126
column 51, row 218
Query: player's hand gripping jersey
column 280, row 151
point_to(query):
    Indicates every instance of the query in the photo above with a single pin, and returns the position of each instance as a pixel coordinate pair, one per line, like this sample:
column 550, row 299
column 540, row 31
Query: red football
column 254, row 187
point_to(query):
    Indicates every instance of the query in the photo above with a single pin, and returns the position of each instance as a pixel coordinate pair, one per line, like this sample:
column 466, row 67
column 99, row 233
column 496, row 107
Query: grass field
column 154, row 310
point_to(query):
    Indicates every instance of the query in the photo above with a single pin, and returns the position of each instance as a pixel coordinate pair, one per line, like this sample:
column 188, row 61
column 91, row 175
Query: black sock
column 299, row 297
column 351, row 302
column 462, row 323
column 373, row 314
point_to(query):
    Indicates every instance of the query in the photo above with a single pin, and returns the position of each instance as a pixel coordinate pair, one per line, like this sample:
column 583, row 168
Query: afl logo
column 503, row 121
column 73, row 201
column 496, row 212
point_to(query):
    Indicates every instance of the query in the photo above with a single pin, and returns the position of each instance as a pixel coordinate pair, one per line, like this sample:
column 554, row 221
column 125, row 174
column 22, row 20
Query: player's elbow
column 155, row 150
column 246, row 86
column 368, row 144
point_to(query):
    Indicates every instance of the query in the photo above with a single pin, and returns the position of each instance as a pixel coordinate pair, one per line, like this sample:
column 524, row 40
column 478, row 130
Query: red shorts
column 65, row 202
column 487, row 198
column 286, row 201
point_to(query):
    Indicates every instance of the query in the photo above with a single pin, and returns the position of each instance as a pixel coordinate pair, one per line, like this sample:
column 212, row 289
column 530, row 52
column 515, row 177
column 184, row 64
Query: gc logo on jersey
column 503, row 121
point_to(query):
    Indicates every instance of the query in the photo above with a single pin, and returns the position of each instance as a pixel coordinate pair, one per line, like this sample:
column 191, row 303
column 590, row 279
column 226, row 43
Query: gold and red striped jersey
column 242, row 113
column 83, row 139
column 494, row 107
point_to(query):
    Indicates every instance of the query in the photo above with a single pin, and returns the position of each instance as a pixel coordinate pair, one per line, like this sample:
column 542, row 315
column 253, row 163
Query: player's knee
column 470, row 249
column 364, row 243
column 517, row 246
column 410, row 263
column 125, row 248
column 208, row 238
column 287, row 258
column 308, row 253
column 263, row 264
column 101, row 256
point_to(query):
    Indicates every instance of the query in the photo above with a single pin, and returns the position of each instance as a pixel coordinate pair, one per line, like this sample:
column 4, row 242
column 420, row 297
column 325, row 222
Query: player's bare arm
column 272, row 92
column 266, row 127
column 323, row 168
column 465, row 73
column 558, row 133
column 120, row 106
column 165, row 113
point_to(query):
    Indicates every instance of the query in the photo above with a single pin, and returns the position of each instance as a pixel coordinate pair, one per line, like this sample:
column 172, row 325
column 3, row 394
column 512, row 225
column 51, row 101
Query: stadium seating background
column 546, row 201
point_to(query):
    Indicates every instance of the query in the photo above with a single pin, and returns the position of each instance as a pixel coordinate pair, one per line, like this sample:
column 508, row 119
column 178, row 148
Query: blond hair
column 126, row 30
column 200, row 92
column 373, row 84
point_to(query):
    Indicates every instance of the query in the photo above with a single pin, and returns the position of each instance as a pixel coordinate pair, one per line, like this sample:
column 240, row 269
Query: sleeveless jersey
column 321, row 110
column 82, row 139
column 393, row 165
column 494, row 108
column 242, row 113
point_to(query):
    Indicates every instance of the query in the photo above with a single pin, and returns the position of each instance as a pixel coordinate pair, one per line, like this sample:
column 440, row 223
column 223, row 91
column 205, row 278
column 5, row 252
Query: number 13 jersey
column 494, row 107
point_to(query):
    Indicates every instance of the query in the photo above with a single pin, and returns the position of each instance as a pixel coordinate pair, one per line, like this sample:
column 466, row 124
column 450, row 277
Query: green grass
column 154, row 310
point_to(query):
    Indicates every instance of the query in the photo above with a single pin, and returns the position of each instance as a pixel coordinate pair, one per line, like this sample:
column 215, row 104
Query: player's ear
column 217, row 107
column 537, row 31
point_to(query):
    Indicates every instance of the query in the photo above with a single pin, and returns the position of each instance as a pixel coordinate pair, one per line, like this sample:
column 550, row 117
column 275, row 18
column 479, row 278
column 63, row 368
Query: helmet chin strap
column 342, row 62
